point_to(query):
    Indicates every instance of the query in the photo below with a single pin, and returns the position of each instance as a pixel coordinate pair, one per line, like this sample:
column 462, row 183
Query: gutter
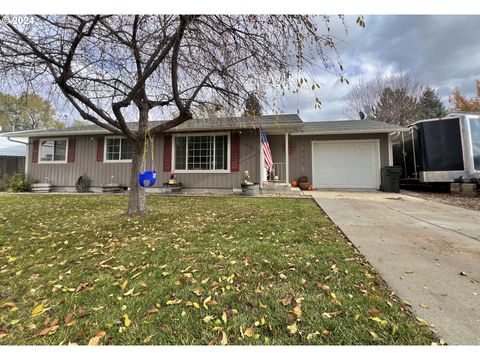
column 346, row 132
column 16, row 141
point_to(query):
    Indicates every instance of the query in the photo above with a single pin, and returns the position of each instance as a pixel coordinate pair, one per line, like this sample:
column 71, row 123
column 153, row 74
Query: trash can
column 391, row 179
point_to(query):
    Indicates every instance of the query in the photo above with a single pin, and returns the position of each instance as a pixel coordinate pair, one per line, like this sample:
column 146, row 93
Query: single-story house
column 214, row 153
column 12, row 159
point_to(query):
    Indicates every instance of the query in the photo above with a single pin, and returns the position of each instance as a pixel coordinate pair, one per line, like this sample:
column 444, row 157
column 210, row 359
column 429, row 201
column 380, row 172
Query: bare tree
column 365, row 95
column 114, row 69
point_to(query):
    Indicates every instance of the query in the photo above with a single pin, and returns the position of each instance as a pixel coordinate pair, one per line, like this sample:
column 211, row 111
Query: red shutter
column 71, row 150
column 36, row 145
column 235, row 152
column 167, row 153
column 100, row 144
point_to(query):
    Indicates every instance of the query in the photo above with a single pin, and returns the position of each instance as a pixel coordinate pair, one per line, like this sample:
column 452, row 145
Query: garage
column 352, row 164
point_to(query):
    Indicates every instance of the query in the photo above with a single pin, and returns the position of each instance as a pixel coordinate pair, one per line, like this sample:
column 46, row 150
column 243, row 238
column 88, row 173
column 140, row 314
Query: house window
column 53, row 150
column 118, row 149
column 201, row 153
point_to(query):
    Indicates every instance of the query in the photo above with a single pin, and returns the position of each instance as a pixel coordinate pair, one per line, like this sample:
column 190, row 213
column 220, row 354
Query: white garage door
column 346, row 164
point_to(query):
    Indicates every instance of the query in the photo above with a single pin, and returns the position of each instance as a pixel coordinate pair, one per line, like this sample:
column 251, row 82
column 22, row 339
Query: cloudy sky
column 441, row 51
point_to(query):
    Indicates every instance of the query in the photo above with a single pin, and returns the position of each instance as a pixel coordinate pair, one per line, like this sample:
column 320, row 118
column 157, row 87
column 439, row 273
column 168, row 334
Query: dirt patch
column 446, row 198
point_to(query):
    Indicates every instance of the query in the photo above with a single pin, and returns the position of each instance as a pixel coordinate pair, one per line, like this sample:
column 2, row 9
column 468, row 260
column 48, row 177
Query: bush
column 19, row 183
column 303, row 179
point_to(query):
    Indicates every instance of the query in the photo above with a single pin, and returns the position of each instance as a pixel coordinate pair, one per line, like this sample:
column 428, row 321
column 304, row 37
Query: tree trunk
column 137, row 202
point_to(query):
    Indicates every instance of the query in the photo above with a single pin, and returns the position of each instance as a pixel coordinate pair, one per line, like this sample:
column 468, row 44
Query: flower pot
column 303, row 185
column 294, row 183
column 250, row 190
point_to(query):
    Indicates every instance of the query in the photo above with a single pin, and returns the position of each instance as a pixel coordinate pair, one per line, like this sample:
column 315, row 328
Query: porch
column 278, row 179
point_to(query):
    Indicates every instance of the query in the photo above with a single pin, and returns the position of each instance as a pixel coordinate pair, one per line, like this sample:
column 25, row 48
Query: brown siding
column 101, row 173
column 300, row 148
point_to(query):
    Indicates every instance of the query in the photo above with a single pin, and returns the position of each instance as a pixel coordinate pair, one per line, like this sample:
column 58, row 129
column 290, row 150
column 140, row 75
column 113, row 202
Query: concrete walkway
column 420, row 248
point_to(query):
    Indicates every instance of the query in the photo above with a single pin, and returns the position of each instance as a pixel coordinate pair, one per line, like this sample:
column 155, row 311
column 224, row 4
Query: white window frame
column 40, row 161
column 105, row 150
column 220, row 171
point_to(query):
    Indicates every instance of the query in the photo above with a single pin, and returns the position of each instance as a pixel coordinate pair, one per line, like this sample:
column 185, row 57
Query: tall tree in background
column 113, row 69
column 252, row 106
column 395, row 106
column 26, row 112
column 430, row 106
column 460, row 102
column 365, row 96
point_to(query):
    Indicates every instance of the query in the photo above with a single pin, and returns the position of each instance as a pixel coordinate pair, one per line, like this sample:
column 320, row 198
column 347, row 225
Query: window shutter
column 71, row 150
column 167, row 153
column 100, row 145
column 36, row 145
column 235, row 152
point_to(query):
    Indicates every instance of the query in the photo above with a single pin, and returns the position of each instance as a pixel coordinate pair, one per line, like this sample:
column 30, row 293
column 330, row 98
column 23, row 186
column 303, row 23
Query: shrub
column 19, row 183
column 303, row 179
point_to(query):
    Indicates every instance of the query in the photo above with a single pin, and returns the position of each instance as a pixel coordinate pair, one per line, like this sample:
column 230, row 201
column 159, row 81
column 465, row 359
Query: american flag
column 267, row 153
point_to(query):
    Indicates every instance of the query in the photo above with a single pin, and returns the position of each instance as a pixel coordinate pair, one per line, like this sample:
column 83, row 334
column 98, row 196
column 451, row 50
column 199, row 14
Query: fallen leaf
column 374, row 335
column 48, row 330
column 249, row 332
column 38, row 310
column 207, row 318
column 124, row 285
column 287, row 300
column 224, row 317
column 7, row 304
column 283, row 276
column 174, row 302
column 153, row 309
column 374, row 312
column 293, row 328
column 3, row 333
column 312, row 335
column 224, row 340
column 68, row 319
column 126, row 321
column 424, row 306
column 148, row 338
column 297, row 310
column 197, row 291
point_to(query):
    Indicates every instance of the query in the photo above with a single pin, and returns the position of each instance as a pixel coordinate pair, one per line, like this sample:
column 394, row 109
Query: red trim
column 235, row 152
column 100, row 149
column 167, row 153
column 71, row 150
column 36, row 145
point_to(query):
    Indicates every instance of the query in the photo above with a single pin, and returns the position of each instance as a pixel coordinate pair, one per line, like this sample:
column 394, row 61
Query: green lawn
column 195, row 270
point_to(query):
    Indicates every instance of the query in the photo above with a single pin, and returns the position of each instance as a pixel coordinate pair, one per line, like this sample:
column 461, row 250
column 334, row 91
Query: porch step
column 276, row 187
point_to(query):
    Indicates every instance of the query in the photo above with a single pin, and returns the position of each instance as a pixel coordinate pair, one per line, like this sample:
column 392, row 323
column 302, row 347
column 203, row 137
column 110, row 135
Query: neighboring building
column 214, row 153
column 12, row 159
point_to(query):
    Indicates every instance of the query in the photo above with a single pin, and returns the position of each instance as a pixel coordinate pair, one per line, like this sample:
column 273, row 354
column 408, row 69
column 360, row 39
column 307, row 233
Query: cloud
column 441, row 51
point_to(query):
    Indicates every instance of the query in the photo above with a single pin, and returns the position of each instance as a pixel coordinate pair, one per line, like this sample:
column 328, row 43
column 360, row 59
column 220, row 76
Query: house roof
column 270, row 123
column 346, row 127
column 283, row 121
column 11, row 148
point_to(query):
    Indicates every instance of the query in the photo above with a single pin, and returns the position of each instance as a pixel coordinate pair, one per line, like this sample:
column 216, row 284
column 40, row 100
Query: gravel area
column 446, row 198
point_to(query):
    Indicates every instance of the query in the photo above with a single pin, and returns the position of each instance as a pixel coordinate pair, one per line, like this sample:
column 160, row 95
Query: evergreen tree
column 430, row 105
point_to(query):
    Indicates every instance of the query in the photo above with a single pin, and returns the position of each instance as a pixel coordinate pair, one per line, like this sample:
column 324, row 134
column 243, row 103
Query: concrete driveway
column 420, row 248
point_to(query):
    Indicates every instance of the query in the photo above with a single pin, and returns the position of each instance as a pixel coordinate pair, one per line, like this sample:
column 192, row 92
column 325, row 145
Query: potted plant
column 248, row 187
column 303, row 182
